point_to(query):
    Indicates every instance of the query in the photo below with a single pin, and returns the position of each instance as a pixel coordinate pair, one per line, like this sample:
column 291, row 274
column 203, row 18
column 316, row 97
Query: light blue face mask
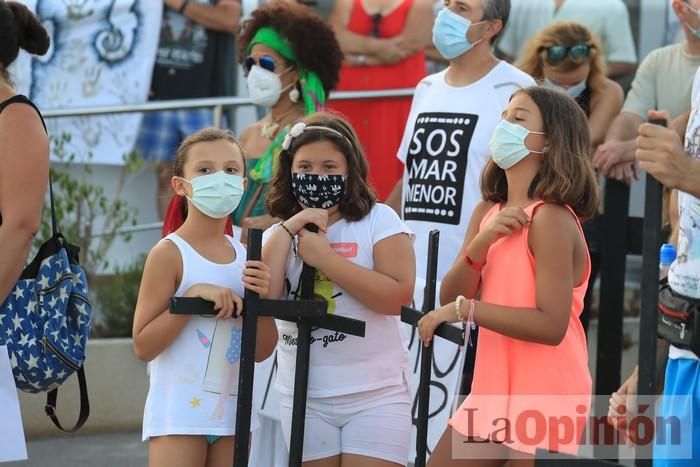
column 217, row 195
column 507, row 144
column 450, row 34
column 573, row 91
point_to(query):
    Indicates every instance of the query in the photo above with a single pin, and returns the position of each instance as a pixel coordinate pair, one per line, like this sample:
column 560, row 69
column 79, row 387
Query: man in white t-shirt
column 663, row 81
column 454, row 112
column 606, row 19
column 660, row 153
column 444, row 149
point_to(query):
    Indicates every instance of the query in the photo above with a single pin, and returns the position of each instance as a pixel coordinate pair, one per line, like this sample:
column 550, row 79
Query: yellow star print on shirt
column 195, row 402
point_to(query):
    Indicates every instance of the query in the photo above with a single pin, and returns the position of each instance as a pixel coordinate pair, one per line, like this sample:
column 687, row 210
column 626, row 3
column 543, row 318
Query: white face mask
column 217, row 194
column 507, row 144
column 573, row 91
column 265, row 87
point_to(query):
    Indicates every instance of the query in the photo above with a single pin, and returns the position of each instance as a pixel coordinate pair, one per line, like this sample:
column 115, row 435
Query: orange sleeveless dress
column 537, row 395
column 380, row 123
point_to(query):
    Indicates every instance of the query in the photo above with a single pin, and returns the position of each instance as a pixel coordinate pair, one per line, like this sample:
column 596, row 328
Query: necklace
column 271, row 124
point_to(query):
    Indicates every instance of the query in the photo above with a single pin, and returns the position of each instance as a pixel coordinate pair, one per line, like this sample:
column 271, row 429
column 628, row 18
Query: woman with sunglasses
column 291, row 59
column 383, row 43
column 566, row 56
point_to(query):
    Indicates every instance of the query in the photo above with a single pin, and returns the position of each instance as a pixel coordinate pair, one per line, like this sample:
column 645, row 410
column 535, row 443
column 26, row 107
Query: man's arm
column 619, row 143
column 225, row 16
column 660, row 152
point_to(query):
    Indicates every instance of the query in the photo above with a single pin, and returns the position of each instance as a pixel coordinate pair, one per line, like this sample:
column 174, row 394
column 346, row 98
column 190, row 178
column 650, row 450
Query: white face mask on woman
column 265, row 87
column 573, row 91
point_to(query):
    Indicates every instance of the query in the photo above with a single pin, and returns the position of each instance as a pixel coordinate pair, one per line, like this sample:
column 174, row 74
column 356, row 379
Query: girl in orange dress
column 525, row 258
column 383, row 42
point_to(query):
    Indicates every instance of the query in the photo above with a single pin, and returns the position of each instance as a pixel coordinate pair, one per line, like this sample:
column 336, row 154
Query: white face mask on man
column 265, row 87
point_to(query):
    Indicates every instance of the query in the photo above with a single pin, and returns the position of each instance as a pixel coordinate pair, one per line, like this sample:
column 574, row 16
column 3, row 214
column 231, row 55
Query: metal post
column 301, row 376
column 426, row 364
column 653, row 199
column 612, row 294
column 446, row 331
column 247, row 363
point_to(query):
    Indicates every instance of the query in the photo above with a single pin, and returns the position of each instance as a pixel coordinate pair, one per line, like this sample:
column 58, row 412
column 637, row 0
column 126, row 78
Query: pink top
column 524, row 382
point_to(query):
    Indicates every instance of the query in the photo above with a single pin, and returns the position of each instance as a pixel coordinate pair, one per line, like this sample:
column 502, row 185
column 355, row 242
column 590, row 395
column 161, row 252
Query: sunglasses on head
column 557, row 53
column 265, row 62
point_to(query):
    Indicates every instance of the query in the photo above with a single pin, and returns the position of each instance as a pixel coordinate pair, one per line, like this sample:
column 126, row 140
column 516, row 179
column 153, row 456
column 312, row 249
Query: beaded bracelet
column 458, row 305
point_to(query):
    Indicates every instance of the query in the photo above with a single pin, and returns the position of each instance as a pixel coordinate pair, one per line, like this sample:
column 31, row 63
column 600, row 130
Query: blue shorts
column 682, row 379
column 161, row 132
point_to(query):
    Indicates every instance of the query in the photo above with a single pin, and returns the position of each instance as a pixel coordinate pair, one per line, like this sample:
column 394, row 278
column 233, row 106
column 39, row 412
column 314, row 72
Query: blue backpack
column 45, row 320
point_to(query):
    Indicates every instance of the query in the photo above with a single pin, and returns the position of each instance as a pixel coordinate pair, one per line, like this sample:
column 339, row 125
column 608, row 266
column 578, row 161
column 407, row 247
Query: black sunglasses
column 265, row 62
column 376, row 20
column 557, row 53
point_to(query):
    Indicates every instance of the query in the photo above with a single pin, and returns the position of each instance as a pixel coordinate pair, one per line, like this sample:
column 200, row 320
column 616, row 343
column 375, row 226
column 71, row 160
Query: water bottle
column 667, row 255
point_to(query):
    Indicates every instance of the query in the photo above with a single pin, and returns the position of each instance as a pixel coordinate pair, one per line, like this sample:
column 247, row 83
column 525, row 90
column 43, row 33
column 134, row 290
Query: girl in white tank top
column 190, row 412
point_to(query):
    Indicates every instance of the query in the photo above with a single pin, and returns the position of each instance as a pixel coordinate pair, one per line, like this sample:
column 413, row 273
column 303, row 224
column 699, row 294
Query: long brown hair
column 566, row 175
column 565, row 33
column 359, row 197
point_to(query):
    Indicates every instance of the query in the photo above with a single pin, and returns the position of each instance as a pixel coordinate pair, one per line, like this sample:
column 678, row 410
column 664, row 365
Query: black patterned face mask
column 318, row 191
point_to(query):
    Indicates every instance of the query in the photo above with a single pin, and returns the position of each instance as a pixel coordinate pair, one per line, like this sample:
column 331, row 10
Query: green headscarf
column 311, row 86
column 314, row 95
column 312, row 91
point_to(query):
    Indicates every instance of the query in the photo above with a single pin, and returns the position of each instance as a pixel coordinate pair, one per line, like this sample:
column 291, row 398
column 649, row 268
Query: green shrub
column 116, row 300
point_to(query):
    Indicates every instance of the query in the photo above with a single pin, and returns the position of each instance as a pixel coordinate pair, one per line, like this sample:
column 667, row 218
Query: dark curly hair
column 359, row 197
column 19, row 29
column 312, row 40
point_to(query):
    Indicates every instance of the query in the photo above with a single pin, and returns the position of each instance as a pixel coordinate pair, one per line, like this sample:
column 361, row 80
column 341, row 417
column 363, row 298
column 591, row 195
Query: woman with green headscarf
column 291, row 60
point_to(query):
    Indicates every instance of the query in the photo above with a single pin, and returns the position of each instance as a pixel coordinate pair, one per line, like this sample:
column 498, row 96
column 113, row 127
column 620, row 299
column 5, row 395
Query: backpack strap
column 52, row 396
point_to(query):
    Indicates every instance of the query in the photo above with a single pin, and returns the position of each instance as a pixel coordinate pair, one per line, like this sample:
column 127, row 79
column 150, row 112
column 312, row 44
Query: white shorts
column 373, row 424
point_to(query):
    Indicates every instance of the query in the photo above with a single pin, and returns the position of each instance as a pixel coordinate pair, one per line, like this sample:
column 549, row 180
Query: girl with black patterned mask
column 359, row 403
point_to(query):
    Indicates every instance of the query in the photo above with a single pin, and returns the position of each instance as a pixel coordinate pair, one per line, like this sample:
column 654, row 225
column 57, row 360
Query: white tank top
column 188, row 377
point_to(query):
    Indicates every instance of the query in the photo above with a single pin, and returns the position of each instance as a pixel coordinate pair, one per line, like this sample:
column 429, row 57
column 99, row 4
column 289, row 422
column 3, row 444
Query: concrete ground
column 101, row 450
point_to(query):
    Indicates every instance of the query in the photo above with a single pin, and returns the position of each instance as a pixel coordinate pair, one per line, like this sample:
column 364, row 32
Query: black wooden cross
column 308, row 313
column 446, row 331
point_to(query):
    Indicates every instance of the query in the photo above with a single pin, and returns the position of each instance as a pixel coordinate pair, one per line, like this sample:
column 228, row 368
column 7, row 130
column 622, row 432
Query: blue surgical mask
column 450, row 34
column 507, row 144
column 573, row 91
column 217, row 195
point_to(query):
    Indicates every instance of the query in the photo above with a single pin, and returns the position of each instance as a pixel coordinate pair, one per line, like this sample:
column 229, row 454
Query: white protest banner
column 102, row 54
